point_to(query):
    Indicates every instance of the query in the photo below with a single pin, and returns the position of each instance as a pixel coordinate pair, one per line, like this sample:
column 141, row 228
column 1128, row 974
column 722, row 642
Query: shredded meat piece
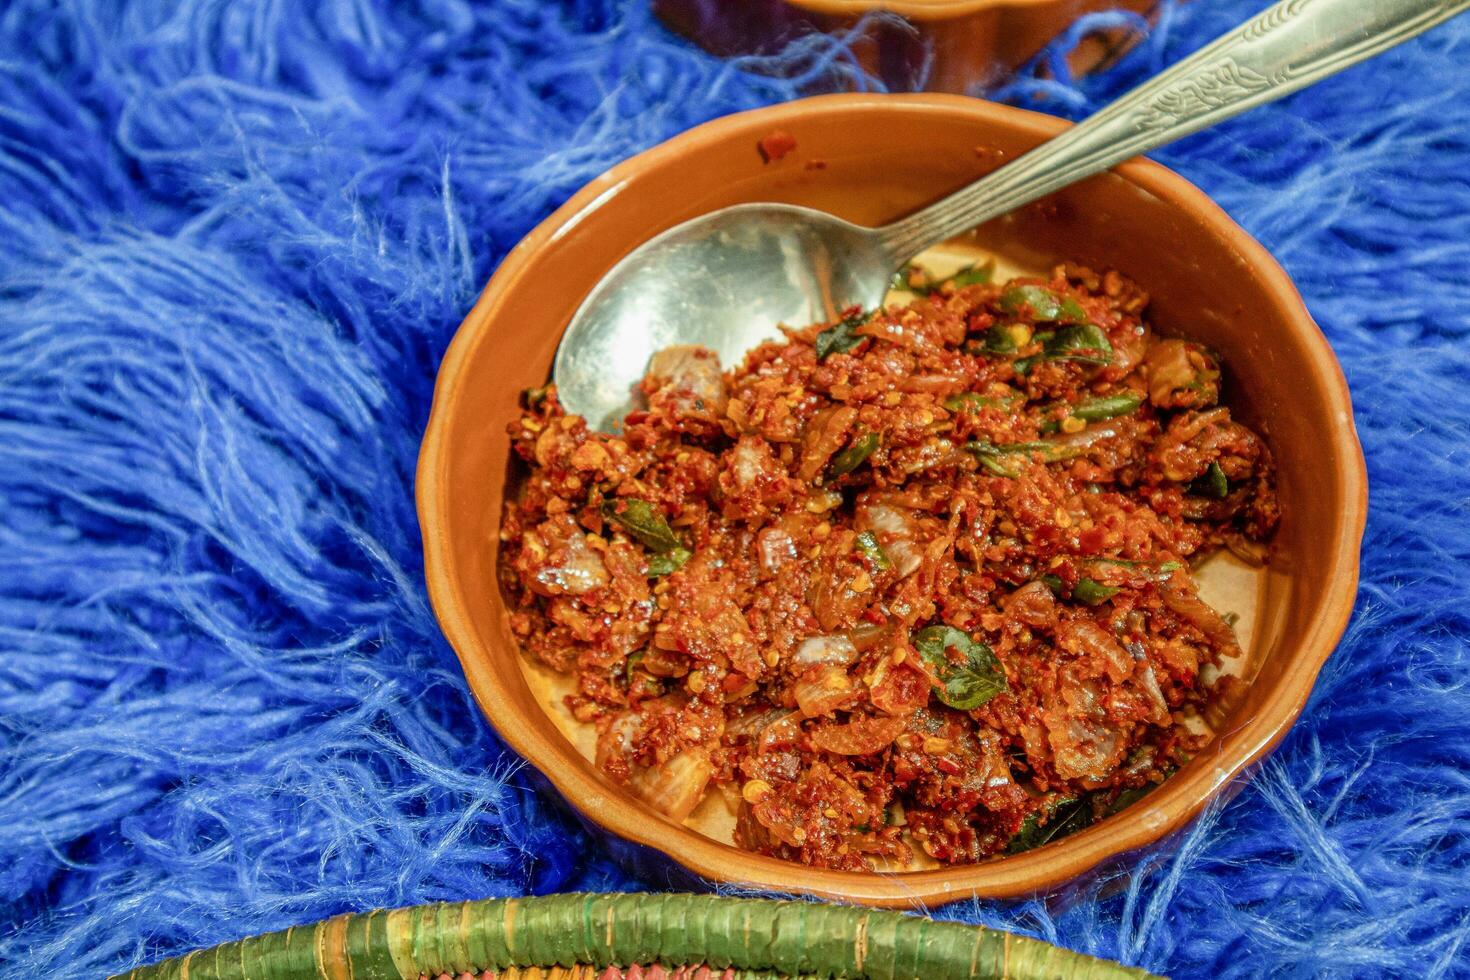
column 911, row 581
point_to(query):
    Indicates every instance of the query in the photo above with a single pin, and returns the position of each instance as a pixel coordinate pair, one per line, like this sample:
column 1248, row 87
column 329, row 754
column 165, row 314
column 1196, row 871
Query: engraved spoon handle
column 1288, row 47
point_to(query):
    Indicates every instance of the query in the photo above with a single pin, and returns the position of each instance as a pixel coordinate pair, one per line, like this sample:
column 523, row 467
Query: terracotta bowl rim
column 1175, row 803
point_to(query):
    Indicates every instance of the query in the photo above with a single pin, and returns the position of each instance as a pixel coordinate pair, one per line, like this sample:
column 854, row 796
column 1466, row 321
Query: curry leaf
column 916, row 280
column 1069, row 815
column 841, row 337
column 643, row 522
column 1080, row 342
column 970, row 275
column 1129, row 797
column 965, row 684
column 1053, row 822
column 1042, row 304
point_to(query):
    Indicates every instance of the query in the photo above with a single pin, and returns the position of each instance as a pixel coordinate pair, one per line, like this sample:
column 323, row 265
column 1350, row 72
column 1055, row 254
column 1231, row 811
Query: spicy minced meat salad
column 919, row 578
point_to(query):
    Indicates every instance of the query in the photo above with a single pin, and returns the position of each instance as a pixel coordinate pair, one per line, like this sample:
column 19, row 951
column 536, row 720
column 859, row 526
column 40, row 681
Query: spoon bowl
column 724, row 281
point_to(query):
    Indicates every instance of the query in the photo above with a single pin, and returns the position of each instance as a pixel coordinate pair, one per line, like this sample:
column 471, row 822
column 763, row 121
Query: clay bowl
column 949, row 45
column 870, row 159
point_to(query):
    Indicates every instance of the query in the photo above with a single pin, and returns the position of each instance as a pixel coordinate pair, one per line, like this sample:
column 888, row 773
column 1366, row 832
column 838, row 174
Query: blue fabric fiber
column 235, row 239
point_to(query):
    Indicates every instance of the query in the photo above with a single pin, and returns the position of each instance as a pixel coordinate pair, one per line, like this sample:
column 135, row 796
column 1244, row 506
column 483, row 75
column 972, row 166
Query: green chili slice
column 1098, row 409
column 668, row 562
column 1107, row 406
column 1050, row 452
column 1093, row 592
column 1212, row 484
column 868, row 546
column 854, row 455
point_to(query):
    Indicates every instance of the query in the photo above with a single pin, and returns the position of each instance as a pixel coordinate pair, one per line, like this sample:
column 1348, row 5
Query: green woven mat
column 577, row 937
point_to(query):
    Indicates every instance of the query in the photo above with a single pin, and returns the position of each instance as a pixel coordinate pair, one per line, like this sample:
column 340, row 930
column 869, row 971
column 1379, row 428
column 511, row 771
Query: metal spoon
column 725, row 279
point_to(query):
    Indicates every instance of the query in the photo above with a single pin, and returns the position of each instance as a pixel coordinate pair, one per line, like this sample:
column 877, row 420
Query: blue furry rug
column 235, row 239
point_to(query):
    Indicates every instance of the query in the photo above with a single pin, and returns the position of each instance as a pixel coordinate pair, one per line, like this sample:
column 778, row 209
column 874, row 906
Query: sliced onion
column 886, row 519
column 905, row 555
column 822, row 689
column 1144, row 672
column 676, row 787
column 1253, row 553
column 1032, row 604
column 833, row 649
column 899, row 529
column 618, row 738
column 1084, row 750
column 899, row 689
column 1086, row 638
column 579, row 571
column 754, row 722
column 747, row 458
column 865, row 636
column 823, row 436
column 1076, row 443
column 862, row 736
column 775, row 548
column 1188, row 606
column 693, row 371
column 1150, row 684
column 781, row 733
column 1084, row 746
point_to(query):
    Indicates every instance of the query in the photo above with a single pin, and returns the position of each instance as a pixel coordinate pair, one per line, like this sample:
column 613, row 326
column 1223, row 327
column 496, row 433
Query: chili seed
column 935, row 746
column 755, row 791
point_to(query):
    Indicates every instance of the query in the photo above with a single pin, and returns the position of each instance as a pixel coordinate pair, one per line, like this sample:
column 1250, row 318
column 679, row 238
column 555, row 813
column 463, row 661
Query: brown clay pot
column 964, row 43
column 871, row 159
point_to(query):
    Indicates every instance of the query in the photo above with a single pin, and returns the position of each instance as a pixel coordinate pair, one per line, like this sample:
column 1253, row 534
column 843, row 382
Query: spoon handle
column 1288, row 47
